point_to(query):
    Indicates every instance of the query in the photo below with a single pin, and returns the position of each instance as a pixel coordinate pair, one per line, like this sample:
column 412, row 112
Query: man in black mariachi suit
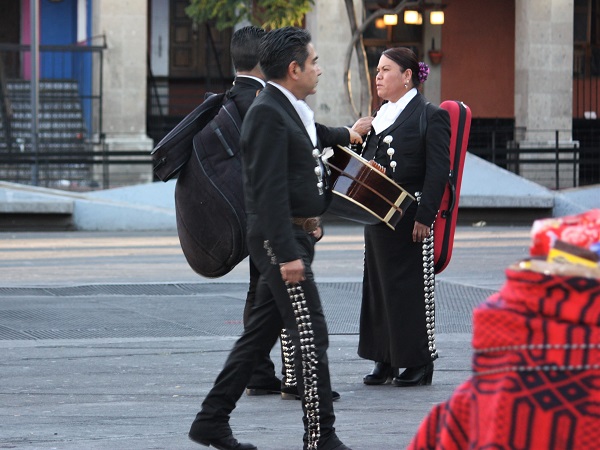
column 286, row 189
column 249, row 81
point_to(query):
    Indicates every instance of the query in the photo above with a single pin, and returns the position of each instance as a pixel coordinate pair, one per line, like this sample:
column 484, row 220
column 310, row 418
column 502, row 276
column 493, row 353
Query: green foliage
column 265, row 13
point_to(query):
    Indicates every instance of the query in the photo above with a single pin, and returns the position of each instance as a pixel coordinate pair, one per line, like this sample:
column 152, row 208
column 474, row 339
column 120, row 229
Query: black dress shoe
column 340, row 446
column 379, row 375
column 291, row 393
column 332, row 442
column 223, row 443
column 273, row 387
column 415, row 376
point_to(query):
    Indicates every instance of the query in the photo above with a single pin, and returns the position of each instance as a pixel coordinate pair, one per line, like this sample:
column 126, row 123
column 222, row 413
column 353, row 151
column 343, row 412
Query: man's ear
column 293, row 70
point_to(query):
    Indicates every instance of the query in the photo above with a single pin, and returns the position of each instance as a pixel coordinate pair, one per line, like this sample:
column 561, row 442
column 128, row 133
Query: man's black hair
column 279, row 47
column 244, row 47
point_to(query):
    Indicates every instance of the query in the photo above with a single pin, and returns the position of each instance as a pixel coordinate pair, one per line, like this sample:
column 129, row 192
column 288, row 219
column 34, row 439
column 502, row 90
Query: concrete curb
column 151, row 206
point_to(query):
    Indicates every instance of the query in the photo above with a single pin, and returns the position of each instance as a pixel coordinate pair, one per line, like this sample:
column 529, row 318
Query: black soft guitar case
column 174, row 150
column 209, row 202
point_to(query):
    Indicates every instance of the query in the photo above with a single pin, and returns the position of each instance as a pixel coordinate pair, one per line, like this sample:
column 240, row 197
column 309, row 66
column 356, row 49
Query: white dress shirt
column 389, row 112
column 306, row 114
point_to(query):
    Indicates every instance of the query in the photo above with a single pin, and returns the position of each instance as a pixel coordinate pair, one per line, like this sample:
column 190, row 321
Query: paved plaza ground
column 109, row 340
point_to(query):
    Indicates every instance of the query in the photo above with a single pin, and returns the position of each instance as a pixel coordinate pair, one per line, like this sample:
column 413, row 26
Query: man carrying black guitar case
column 209, row 197
column 445, row 222
column 203, row 151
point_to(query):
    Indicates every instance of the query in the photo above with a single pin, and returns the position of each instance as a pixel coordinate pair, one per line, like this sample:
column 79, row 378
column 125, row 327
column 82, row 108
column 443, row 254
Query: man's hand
column 318, row 233
column 420, row 232
column 363, row 125
column 292, row 272
column 355, row 138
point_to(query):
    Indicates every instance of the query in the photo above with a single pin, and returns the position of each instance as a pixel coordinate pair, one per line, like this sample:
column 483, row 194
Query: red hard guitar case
column 445, row 223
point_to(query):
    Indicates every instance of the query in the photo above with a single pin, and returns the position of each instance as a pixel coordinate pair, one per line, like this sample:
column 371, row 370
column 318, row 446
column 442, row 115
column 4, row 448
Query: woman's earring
column 406, row 86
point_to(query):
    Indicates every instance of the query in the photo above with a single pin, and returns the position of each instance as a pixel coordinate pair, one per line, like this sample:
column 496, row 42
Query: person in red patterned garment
column 536, row 362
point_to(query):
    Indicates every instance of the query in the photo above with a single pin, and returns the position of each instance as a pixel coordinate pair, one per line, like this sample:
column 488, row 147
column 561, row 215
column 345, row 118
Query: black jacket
column 279, row 170
column 421, row 164
column 244, row 92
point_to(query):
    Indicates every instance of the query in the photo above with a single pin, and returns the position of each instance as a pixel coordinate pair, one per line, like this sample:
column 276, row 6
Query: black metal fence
column 569, row 159
column 554, row 168
column 62, row 170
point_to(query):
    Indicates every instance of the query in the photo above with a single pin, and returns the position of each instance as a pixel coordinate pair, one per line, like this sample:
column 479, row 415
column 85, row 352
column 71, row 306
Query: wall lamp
column 412, row 17
column 436, row 17
column 390, row 19
column 415, row 16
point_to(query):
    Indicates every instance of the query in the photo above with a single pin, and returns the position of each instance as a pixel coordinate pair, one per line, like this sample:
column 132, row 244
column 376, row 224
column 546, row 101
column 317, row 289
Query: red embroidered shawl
column 536, row 371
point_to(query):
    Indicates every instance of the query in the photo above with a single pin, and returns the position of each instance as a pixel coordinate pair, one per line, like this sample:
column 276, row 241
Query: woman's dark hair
column 406, row 59
column 244, row 47
column 280, row 47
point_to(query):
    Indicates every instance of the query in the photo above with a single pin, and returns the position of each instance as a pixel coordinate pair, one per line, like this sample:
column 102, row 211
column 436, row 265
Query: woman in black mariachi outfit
column 397, row 322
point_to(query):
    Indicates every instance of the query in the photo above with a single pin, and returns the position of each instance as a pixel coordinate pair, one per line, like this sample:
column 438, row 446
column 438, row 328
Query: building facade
column 526, row 68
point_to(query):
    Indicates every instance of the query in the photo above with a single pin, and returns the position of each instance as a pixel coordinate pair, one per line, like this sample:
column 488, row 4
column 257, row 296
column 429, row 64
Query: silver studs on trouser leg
column 429, row 287
column 287, row 349
column 309, row 364
column 287, row 346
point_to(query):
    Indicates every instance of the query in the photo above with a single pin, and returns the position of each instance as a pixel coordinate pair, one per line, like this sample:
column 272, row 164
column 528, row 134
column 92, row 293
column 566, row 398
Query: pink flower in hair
column 423, row 72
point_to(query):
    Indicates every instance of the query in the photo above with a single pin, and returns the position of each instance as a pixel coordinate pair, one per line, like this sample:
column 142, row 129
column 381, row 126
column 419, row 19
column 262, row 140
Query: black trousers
column 264, row 371
column 297, row 309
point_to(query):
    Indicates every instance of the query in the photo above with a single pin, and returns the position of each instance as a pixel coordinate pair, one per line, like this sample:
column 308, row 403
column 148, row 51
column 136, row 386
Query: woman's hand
column 420, row 232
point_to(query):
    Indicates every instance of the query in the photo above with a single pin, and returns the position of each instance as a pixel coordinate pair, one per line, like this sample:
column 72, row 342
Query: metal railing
column 69, row 111
column 555, row 163
column 81, row 63
column 6, row 112
column 554, row 168
column 62, row 170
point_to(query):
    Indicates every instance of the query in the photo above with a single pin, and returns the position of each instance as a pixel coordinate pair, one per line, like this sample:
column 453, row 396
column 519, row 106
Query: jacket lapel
column 288, row 107
column 405, row 114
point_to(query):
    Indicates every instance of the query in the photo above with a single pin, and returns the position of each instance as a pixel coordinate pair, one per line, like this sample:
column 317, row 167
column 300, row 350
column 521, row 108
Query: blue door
column 58, row 26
